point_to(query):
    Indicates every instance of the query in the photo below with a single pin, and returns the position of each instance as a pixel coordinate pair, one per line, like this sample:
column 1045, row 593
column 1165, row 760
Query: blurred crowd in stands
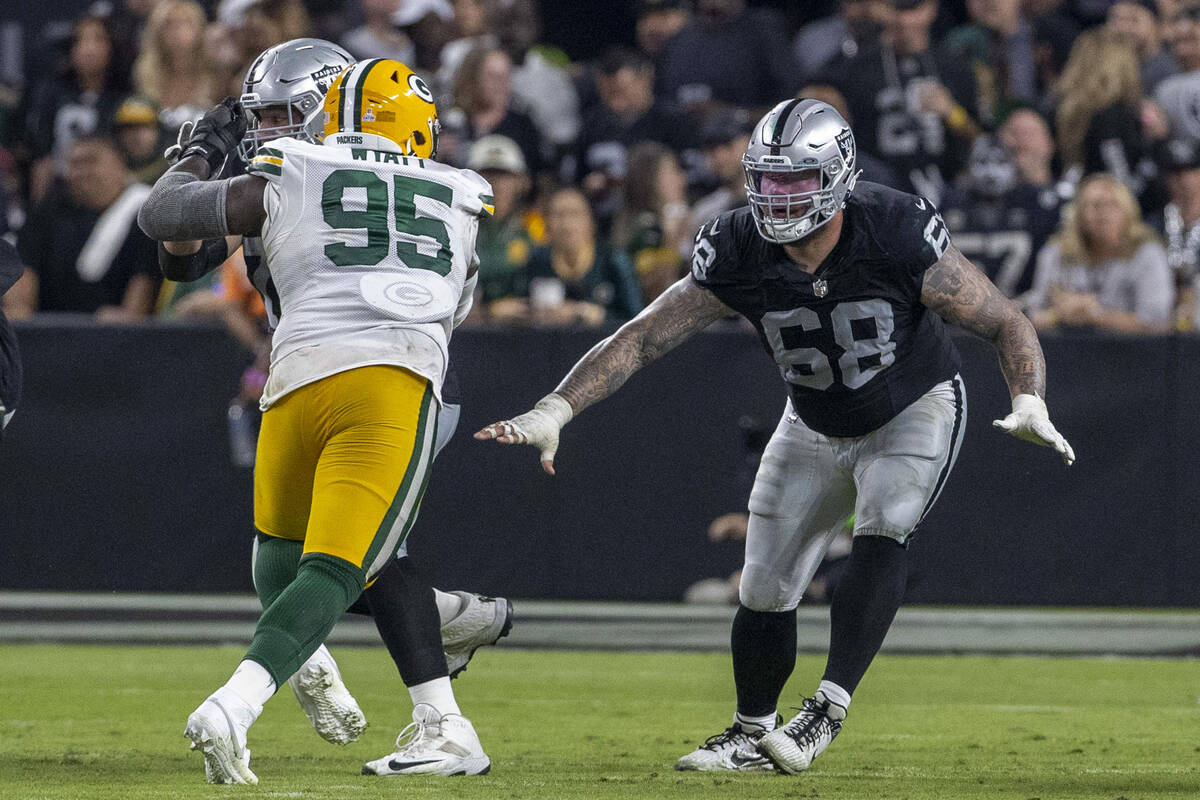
column 1059, row 138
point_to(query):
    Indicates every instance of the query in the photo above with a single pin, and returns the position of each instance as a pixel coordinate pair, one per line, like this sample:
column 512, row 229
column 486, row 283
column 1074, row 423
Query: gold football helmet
column 382, row 97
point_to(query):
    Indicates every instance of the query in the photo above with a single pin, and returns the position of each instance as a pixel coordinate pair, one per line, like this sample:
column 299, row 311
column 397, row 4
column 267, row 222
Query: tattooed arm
column 679, row 312
column 963, row 295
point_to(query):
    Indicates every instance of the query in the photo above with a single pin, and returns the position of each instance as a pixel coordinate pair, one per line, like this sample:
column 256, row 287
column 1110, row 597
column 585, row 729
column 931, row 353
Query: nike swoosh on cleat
column 399, row 765
column 739, row 760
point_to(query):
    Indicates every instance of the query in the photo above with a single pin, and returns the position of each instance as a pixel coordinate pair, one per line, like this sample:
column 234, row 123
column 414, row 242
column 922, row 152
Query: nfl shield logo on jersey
column 820, row 288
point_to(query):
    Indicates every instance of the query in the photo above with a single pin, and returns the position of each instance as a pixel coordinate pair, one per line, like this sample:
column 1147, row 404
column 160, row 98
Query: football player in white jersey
column 373, row 262
column 283, row 95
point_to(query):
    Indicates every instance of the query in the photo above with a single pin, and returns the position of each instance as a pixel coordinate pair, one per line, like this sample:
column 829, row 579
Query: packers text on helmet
column 382, row 97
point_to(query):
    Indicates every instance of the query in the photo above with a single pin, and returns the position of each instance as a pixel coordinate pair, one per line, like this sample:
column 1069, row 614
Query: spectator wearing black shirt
column 999, row 220
column 874, row 169
column 82, row 248
column 913, row 104
column 75, row 103
column 540, row 82
column 723, row 140
column 10, row 356
column 1102, row 117
column 857, row 24
column 483, row 105
column 999, row 44
column 127, row 21
column 627, row 114
column 729, row 55
column 657, row 23
column 1055, row 31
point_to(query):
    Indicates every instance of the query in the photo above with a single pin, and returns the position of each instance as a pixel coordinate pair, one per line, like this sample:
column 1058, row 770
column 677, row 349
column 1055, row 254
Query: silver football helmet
column 800, row 168
column 294, row 75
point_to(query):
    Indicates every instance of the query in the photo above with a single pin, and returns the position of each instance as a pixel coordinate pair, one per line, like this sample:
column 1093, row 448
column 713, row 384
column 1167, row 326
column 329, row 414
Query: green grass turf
column 106, row 723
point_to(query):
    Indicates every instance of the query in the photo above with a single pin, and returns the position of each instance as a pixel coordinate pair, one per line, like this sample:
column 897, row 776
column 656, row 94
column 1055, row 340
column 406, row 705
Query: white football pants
column 809, row 484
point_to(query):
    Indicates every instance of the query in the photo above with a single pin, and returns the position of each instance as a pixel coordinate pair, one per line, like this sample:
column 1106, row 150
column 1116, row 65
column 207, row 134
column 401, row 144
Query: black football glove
column 217, row 133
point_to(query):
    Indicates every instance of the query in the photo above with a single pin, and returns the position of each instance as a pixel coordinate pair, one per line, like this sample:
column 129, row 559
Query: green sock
column 275, row 563
column 304, row 613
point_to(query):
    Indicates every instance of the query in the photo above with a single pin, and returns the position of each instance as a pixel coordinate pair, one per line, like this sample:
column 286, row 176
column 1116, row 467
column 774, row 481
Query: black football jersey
column 1002, row 236
column 852, row 340
column 883, row 91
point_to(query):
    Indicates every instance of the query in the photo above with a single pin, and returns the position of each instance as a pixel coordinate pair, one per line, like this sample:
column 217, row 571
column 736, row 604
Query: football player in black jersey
column 847, row 286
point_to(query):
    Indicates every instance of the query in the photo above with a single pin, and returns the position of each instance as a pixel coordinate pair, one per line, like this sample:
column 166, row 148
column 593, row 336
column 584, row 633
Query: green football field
column 107, row 722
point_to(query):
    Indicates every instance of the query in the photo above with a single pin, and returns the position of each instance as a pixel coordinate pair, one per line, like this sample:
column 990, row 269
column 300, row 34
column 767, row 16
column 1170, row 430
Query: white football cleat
column 483, row 621
column 733, row 749
column 326, row 701
column 794, row 746
column 218, row 730
column 434, row 745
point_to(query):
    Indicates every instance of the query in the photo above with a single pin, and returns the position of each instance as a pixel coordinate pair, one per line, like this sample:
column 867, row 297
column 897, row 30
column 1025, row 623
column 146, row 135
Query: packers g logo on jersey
column 385, row 98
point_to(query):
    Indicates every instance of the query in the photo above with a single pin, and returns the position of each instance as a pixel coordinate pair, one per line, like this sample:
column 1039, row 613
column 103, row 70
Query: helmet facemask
column 294, row 76
column 790, row 202
column 304, row 120
column 800, row 169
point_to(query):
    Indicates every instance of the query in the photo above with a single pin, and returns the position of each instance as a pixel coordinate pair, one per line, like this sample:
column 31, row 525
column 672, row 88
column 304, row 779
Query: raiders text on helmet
column 295, row 75
column 799, row 136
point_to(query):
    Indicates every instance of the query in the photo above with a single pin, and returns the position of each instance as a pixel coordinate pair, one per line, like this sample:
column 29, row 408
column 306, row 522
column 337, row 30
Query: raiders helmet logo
column 845, row 143
column 325, row 75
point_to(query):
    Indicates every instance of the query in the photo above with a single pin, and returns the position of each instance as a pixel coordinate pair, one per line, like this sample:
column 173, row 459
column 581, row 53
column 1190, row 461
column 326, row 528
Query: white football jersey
column 368, row 252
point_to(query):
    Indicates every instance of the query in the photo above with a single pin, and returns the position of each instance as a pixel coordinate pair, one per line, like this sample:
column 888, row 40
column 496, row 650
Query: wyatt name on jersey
column 852, row 339
column 369, row 251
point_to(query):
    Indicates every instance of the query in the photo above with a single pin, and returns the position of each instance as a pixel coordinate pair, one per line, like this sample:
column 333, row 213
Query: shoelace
column 412, row 735
column 717, row 740
column 808, row 730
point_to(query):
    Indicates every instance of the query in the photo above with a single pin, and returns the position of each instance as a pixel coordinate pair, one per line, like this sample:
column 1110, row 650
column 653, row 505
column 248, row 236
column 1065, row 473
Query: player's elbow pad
column 211, row 255
column 181, row 207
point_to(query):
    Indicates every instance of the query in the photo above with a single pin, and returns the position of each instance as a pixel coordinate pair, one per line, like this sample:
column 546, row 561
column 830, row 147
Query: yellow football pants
column 343, row 462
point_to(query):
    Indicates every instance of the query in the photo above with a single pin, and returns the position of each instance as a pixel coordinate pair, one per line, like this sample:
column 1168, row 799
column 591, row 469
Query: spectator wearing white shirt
column 540, row 84
column 1179, row 95
column 378, row 36
column 1106, row 270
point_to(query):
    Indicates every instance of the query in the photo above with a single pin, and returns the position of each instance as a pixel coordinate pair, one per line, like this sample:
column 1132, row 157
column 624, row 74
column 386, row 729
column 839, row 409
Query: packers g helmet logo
column 419, row 87
column 384, row 98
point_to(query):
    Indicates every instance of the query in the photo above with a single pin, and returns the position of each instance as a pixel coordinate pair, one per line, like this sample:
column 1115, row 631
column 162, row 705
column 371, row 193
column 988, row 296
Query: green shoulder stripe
column 269, row 151
column 263, row 167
